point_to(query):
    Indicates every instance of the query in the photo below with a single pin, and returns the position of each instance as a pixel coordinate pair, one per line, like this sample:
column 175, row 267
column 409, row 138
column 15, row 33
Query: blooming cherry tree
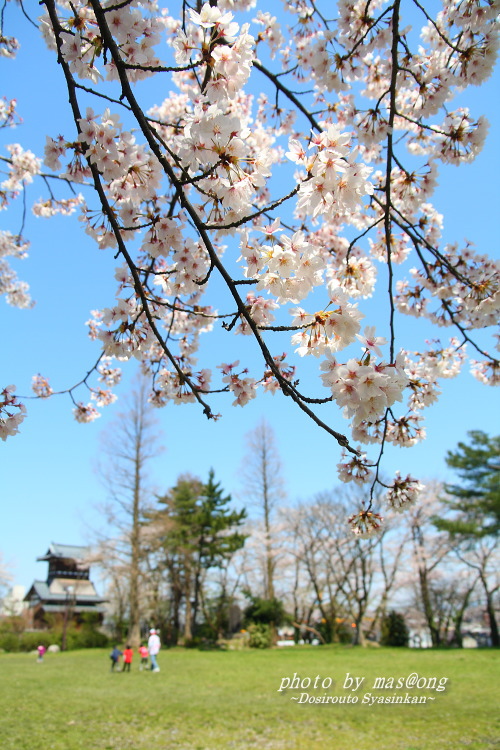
column 292, row 161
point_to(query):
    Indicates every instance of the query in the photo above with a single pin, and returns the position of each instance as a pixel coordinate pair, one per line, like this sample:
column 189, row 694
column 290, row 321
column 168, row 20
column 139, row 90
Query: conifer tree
column 476, row 499
column 201, row 533
column 394, row 630
column 475, row 519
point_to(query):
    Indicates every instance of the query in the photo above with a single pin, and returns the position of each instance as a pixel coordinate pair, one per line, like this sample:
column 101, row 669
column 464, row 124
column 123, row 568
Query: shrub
column 264, row 611
column 85, row 637
column 333, row 630
column 394, row 630
column 194, row 642
column 260, row 636
column 29, row 641
column 12, row 624
column 9, row 642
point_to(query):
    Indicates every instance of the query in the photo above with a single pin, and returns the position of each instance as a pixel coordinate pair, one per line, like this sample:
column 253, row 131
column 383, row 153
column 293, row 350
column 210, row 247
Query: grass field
column 231, row 701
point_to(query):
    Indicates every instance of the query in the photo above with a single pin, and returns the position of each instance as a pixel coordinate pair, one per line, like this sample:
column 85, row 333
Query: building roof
column 67, row 551
column 42, row 591
column 77, row 609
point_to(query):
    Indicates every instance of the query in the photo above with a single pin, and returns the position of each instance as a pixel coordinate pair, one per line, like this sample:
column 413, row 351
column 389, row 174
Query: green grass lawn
column 231, row 700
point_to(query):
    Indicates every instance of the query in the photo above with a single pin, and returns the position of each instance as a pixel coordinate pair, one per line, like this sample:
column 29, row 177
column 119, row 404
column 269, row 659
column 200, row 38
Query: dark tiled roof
column 77, row 609
column 70, row 551
column 41, row 591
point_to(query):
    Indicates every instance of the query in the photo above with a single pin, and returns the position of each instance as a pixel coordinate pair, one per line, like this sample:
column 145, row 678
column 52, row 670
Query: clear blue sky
column 48, row 487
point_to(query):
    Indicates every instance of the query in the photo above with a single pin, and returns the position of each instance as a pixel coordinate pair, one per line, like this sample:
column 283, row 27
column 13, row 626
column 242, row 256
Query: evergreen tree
column 200, row 532
column 218, row 535
column 475, row 501
column 475, row 520
column 264, row 611
column 394, row 630
column 180, row 543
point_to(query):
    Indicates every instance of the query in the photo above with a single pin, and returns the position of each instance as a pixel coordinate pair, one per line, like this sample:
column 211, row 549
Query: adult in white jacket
column 154, row 646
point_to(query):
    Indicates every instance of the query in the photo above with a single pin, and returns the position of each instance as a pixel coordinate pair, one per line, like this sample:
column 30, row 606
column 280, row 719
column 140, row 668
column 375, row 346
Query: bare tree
column 114, row 571
column 483, row 557
column 309, row 527
column 391, row 558
column 5, row 578
column 450, row 599
column 430, row 548
column 348, row 577
column 351, row 564
column 127, row 448
column 264, row 488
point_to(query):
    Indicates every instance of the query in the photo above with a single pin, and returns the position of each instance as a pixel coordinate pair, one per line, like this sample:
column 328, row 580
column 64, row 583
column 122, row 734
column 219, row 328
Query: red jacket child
column 127, row 658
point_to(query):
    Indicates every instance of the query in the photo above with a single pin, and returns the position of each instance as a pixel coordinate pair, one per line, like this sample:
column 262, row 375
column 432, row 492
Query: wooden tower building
column 67, row 592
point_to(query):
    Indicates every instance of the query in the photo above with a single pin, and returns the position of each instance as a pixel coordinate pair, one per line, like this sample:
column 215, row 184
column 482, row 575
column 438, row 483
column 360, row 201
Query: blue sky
column 48, row 486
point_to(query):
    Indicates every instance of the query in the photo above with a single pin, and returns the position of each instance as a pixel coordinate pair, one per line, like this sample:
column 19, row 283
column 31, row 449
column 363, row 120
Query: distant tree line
column 206, row 570
column 191, row 563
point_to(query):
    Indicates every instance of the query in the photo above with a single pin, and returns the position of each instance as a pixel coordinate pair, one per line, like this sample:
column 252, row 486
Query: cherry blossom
column 365, row 524
column 354, row 469
column 41, row 386
column 183, row 188
column 370, row 341
column 85, row 413
column 403, row 492
column 23, row 166
column 12, row 412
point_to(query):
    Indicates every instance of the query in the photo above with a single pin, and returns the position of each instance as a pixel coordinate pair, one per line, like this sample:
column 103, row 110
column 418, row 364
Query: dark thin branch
column 272, row 77
column 286, row 387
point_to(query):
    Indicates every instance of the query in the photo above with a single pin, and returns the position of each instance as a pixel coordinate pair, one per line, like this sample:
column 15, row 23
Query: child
column 115, row 658
column 154, row 645
column 143, row 651
column 127, row 658
column 41, row 650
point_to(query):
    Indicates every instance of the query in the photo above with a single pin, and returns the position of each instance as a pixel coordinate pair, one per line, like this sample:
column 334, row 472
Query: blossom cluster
column 12, row 412
column 85, row 413
column 184, row 193
column 403, row 492
column 365, row 524
column 41, row 386
column 23, row 166
column 463, row 284
column 364, row 389
column 336, row 183
column 327, row 331
column 288, row 269
column 16, row 291
column 399, row 496
column 243, row 388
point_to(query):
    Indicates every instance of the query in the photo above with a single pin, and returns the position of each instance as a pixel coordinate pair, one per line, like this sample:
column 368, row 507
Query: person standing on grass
column 115, row 658
column 144, row 654
column 41, row 651
column 127, row 658
column 154, row 645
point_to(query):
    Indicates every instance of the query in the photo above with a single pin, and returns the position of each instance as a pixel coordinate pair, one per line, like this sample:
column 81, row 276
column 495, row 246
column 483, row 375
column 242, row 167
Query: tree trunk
column 428, row 611
column 176, row 598
column 458, row 619
column 188, row 633
column 359, row 637
column 490, row 609
column 379, row 614
column 269, row 593
column 197, row 584
column 134, row 631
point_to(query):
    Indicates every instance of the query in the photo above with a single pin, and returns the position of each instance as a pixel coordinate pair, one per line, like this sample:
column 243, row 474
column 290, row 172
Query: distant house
column 67, row 592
